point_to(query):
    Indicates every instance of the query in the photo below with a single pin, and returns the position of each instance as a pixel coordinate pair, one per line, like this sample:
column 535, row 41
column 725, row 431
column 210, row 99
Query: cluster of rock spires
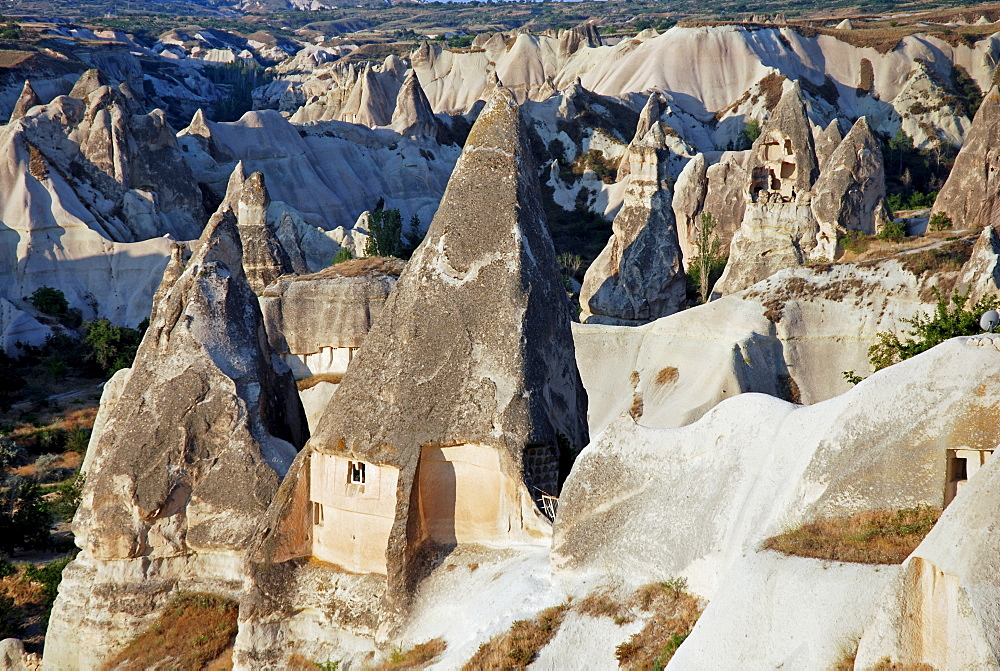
column 463, row 406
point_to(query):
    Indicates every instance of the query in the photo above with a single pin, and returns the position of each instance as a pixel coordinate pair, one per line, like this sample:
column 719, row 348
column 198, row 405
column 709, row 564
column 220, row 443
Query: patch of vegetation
column 874, row 537
column 949, row 319
column 914, row 176
column 112, row 347
column 385, row 234
column 749, row 134
column 969, row 95
column 239, row 79
column 343, row 255
column 193, row 630
column 48, row 577
column 25, row 518
column 313, row 380
column 11, row 618
column 855, row 242
column 417, row 657
column 518, row 647
column 674, row 614
column 49, row 301
column 709, row 262
column 940, row 222
column 949, row 256
column 593, row 160
column 886, row 664
column 893, row 231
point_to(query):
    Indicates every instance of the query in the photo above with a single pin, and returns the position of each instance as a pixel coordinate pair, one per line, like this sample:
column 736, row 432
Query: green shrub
column 894, row 231
column 749, row 134
column 11, row 618
column 25, row 518
column 68, row 496
column 940, row 222
column 49, row 576
column 343, row 255
column 112, row 347
column 950, row 319
column 49, row 301
column 855, row 242
column 6, row 568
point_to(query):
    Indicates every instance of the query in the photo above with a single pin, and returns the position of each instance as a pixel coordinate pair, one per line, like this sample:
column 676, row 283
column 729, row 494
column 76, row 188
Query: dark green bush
column 112, row 347
column 49, row 576
column 11, row 618
column 25, row 519
column 385, row 233
column 49, row 301
column 894, row 231
column 940, row 222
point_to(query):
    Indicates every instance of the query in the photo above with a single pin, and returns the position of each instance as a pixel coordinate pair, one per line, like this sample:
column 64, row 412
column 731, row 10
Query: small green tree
column 49, row 301
column 112, row 347
column 385, row 235
column 749, row 134
column 940, row 222
column 949, row 319
column 343, row 255
column 894, row 231
column 708, row 260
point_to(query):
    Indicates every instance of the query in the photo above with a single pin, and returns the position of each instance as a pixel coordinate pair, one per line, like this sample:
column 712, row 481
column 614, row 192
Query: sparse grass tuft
column 518, row 647
column 193, row 631
column 675, row 612
column 874, row 537
column 417, row 657
column 603, row 604
column 313, row 380
column 667, row 376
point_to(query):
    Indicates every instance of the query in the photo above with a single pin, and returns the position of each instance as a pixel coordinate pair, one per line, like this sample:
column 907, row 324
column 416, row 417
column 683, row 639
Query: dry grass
column 950, row 256
column 366, row 266
column 194, row 631
column 675, row 613
column 313, row 380
column 886, row 664
column 417, row 657
column 518, row 647
column 667, row 376
column 637, row 405
column 604, row 604
column 874, row 537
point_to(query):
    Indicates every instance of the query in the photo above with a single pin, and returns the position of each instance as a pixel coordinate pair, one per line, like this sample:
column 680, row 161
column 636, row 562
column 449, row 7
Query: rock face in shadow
column 850, row 193
column 638, row 276
column 971, row 196
column 189, row 457
column 451, row 423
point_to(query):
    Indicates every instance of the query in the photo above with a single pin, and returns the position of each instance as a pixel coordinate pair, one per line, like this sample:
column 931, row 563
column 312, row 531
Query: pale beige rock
column 413, row 116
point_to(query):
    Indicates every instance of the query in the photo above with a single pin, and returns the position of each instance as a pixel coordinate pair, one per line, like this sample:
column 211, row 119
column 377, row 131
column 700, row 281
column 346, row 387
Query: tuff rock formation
column 646, row 504
column 450, row 424
column 413, row 116
column 317, row 322
column 648, row 117
column 265, row 259
column 971, row 195
column 638, row 276
column 778, row 228
column 940, row 610
column 850, row 193
column 25, row 102
column 187, row 460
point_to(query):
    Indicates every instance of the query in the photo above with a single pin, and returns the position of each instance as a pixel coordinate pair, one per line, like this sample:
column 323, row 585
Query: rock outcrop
column 264, row 258
column 317, row 322
column 778, row 228
column 25, row 102
column 413, row 116
column 187, row 461
column 940, row 611
column 971, row 195
column 755, row 466
column 638, row 276
column 451, row 423
column 850, row 193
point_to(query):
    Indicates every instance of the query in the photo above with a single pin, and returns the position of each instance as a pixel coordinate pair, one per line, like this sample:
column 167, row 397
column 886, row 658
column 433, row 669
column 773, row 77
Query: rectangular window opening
column 317, row 514
column 356, row 472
